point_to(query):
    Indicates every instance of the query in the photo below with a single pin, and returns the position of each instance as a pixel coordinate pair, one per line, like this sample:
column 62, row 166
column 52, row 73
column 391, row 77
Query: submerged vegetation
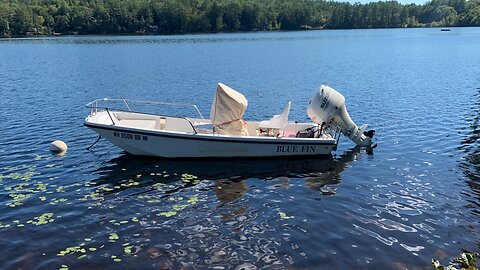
column 50, row 17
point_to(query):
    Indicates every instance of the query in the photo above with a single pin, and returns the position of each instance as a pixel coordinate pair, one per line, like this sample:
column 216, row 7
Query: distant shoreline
column 172, row 17
column 215, row 33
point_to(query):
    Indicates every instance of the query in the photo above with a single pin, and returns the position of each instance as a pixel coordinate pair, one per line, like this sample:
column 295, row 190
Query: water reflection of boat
column 148, row 171
column 143, row 168
column 227, row 178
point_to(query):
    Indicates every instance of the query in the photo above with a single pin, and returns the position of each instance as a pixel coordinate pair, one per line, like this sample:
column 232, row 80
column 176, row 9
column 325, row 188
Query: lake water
column 416, row 197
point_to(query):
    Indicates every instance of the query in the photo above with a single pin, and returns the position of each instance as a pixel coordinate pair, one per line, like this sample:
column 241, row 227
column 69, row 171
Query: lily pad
column 167, row 214
column 113, row 237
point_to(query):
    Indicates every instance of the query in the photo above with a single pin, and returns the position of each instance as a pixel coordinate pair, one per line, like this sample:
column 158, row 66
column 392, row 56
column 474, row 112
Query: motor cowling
column 327, row 107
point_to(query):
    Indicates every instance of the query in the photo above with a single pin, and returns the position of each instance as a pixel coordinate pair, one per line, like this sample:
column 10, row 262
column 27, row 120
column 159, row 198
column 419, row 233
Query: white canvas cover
column 227, row 111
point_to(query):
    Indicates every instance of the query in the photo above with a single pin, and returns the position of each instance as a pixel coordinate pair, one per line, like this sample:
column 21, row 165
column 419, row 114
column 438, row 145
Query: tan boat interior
column 192, row 125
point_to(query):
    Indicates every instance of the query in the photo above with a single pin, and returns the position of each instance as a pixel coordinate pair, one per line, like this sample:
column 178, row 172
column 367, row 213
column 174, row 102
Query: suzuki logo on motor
column 325, row 102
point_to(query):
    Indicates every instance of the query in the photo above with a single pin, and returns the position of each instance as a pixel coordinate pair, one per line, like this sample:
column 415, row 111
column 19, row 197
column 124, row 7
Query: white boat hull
column 169, row 144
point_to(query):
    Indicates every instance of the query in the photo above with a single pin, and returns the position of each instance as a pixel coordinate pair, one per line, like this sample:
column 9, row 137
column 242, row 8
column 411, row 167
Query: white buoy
column 58, row 147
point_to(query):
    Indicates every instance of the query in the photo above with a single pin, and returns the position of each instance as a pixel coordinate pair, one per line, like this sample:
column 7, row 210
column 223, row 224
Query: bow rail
column 98, row 105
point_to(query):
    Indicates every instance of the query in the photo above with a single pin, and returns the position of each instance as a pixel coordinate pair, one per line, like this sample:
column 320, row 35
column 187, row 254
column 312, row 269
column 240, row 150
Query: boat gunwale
column 214, row 137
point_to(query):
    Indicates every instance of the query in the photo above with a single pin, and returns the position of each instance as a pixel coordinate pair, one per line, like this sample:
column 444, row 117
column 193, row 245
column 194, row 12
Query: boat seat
column 203, row 128
column 139, row 121
column 278, row 121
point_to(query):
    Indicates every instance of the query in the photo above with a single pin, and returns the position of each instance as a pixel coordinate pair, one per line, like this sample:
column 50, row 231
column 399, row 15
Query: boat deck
column 189, row 125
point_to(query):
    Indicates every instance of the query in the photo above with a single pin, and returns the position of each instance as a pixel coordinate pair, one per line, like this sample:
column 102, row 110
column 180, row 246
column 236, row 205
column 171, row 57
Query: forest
column 70, row 17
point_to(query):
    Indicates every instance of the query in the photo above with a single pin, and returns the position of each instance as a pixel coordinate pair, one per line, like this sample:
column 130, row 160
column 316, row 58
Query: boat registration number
column 130, row 136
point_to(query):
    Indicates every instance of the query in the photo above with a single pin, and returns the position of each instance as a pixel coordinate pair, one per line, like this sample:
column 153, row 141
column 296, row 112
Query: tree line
column 52, row 17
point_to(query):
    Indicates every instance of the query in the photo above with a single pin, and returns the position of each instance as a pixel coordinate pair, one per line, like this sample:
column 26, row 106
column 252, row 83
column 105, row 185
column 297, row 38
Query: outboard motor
column 327, row 108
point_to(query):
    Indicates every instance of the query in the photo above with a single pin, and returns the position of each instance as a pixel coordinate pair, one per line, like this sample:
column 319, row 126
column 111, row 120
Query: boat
column 225, row 134
column 445, row 29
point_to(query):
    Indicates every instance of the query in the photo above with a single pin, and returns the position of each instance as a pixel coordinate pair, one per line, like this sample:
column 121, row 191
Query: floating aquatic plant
column 72, row 250
column 186, row 177
column 40, row 157
column 55, row 201
column 167, row 214
column 113, row 237
column 81, row 249
column 42, row 219
column 25, row 176
column 115, row 258
column 18, row 199
column 127, row 248
column 284, row 216
column 179, row 207
column 192, row 200
column 130, row 183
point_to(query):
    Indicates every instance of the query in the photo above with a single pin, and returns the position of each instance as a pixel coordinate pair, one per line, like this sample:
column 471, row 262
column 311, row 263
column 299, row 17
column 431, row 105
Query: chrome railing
column 95, row 105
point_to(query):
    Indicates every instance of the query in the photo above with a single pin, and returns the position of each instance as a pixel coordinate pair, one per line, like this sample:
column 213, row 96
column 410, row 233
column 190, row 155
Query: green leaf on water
column 283, row 215
column 113, row 237
column 179, row 207
column 128, row 249
column 71, row 250
column 43, row 219
column 192, row 200
column 167, row 214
